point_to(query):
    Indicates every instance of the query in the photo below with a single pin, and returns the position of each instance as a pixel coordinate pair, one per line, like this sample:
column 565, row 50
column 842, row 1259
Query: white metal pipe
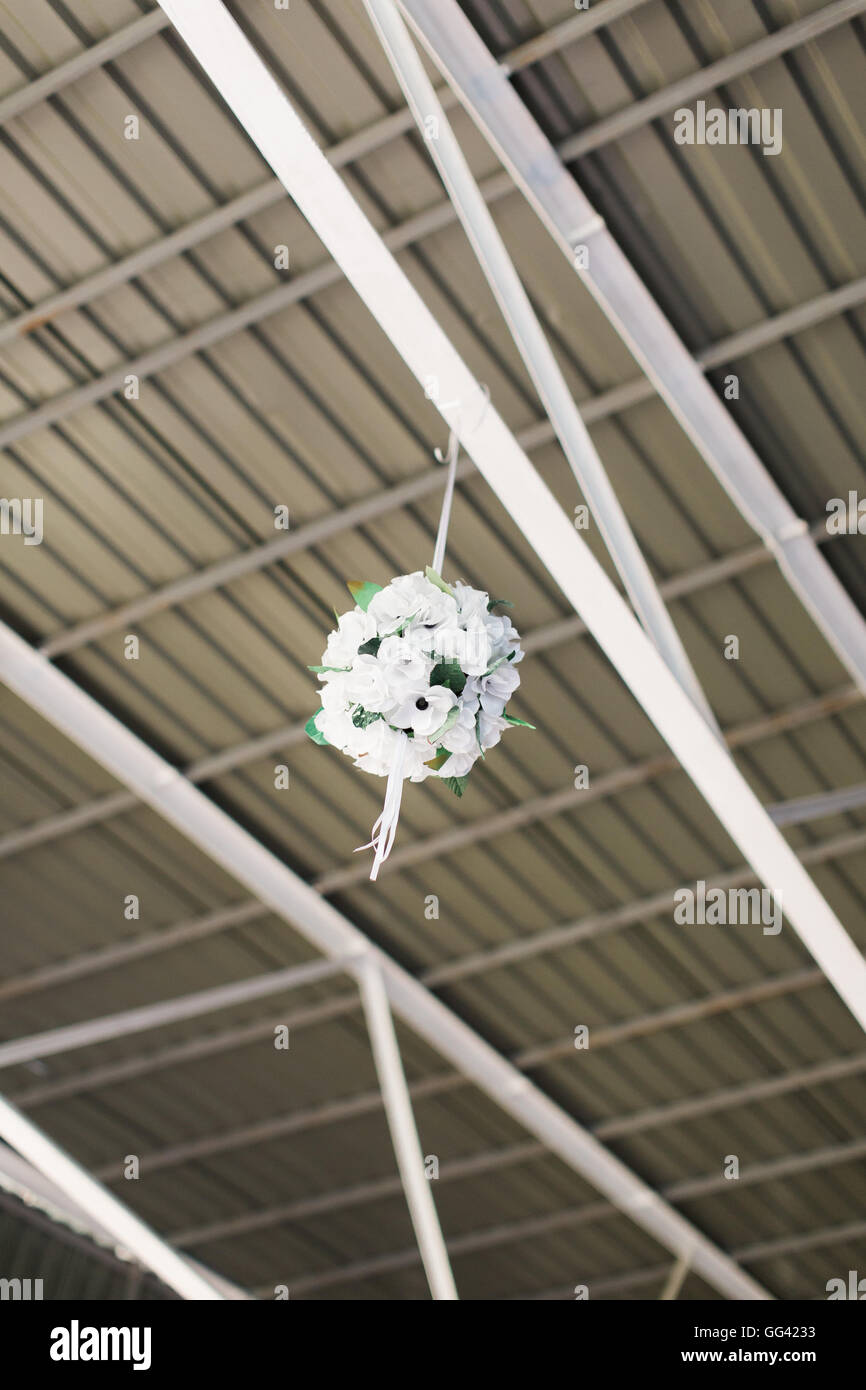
column 538, row 358
column 537, row 169
column 404, row 1134
column 32, row 1187
column 274, row 126
column 339, row 1006
column 16, row 103
column 441, row 1083
column 149, row 1016
column 105, row 1209
column 182, row 805
column 732, row 65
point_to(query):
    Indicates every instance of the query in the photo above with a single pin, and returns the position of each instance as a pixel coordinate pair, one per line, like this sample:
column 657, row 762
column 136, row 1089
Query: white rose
column 336, row 726
column 411, row 596
column 425, row 711
column 490, row 729
column 461, row 737
column 469, row 647
column 457, row 765
column 496, row 689
column 379, row 746
column 504, row 637
column 334, row 720
column 353, row 629
column 367, row 685
column 406, row 667
column 471, row 604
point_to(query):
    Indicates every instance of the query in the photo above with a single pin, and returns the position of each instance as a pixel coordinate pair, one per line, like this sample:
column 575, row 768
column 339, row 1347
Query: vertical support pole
column 404, row 1133
column 676, row 1278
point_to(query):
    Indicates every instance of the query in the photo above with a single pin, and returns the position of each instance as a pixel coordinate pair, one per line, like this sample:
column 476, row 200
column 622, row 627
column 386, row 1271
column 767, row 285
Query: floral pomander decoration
column 415, row 683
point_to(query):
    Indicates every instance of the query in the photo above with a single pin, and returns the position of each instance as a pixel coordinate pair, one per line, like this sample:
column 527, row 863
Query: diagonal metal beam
column 70, row 1037
column 163, row 788
column 102, row 1206
column 121, row 41
column 423, row 484
column 492, row 1237
column 103, row 808
column 446, row 1083
column 493, row 1160
column 535, row 351
column 538, row 171
column 149, row 1016
column 474, row 964
column 264, row 195
column 106, row 808
column 749, row 1254
column 251, row 92
column 26, row 1182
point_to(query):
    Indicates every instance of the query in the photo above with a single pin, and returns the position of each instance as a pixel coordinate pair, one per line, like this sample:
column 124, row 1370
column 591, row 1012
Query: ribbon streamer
column 385, row 829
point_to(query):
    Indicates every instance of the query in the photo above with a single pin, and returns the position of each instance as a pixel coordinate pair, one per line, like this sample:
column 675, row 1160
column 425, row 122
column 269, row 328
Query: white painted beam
column 182, row 805
column 274, row 126
column 568, row 215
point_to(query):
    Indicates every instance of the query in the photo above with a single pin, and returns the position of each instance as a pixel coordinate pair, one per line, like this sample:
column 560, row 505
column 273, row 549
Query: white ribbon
column 385, row 828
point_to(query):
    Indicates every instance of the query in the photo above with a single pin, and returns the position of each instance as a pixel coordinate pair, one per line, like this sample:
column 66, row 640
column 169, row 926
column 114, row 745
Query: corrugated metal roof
column 309, row 406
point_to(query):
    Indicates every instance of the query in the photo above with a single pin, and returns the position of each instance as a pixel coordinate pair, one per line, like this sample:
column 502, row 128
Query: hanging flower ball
column 416, row 678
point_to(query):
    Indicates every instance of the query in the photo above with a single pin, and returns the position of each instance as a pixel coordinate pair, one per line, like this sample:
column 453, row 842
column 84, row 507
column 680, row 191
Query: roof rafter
column 537, row 169
column 105, row 808
column 602, row 407
column 98, row 733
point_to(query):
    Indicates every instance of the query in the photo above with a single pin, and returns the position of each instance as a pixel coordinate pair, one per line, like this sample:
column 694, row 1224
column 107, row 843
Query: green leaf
column 362, row 717
column 491, row 669
column 312, row 731
column 450, row 720
column 456, row 784
column 438, row 581
column 498, row 603
column 316, row 669
column 509, row 719
column 439, row 761
column 449, row 674
column 363, row 591
column 370, row 648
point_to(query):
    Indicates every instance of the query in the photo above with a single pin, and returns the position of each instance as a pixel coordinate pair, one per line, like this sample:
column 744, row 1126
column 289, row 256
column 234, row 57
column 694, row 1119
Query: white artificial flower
column 490, row 729
column 353, row 629
column 504, row 637
column 425, row 711
column 461, row 737
column 406, row 667
column 457, row 765
column 377, row 748
column 469, row 647
column 334, row 720
column 496, row 689
column 419, row 626
column 471, row 604
column 367, row 685
column 411, row 596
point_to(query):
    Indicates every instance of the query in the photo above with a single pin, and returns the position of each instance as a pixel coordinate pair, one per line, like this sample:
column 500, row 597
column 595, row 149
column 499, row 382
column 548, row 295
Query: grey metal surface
column 309, row 407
